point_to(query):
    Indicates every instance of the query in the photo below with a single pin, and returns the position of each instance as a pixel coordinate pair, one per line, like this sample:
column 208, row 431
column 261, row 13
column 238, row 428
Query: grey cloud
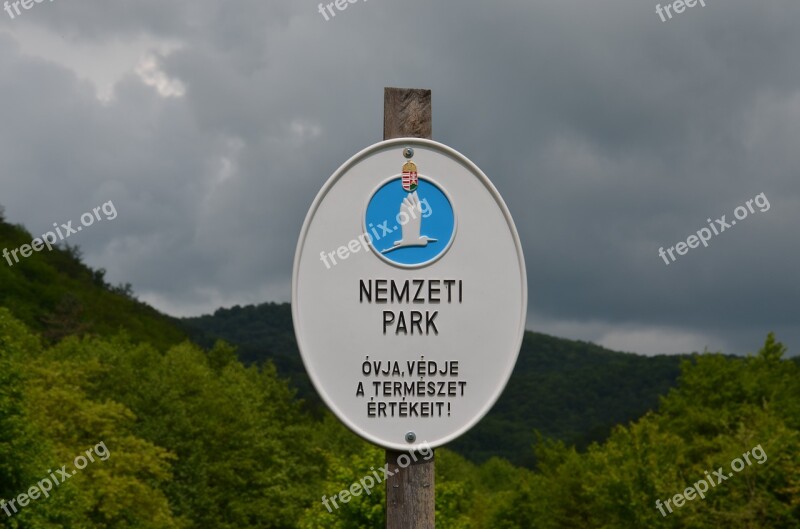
column 609, row 133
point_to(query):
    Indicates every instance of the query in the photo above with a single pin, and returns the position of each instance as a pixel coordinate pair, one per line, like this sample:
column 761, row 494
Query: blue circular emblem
column 410, row 225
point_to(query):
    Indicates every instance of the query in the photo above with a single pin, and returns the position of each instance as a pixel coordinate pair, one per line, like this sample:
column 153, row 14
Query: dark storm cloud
column 609, row 133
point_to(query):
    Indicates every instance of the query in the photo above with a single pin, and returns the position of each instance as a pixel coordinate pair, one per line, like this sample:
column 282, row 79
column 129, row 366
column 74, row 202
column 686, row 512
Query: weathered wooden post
column 411, row 491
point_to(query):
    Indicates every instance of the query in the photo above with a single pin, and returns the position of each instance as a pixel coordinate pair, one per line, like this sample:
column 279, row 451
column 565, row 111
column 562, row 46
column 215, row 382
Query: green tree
column 54, row 409
column 242, row 444
column 722, row 409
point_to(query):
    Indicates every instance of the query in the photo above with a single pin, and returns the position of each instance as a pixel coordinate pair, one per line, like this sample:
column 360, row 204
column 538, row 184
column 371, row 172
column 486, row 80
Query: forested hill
column 193, row 439
column 55, row 294
column 568, row 390
column 572, row 391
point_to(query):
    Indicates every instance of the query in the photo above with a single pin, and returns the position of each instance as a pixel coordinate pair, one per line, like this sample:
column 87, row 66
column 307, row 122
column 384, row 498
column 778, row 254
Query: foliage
column 260, row 333
column 53, row 422
column 568, row 390
column 722, row 408
column 198, row 439
column 55, row 294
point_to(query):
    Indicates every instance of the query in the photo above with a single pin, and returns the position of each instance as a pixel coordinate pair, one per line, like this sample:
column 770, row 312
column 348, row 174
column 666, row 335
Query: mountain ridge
column 54, row 293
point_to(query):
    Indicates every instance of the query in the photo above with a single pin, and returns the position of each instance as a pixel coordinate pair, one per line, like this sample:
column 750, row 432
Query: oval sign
column 409, row 294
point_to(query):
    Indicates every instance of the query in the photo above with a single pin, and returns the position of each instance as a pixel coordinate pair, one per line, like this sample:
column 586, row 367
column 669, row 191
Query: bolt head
column 408, row 152
column 411, row 437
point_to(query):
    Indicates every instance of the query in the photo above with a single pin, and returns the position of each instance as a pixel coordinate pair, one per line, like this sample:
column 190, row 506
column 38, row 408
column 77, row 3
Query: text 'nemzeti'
column 420, row 291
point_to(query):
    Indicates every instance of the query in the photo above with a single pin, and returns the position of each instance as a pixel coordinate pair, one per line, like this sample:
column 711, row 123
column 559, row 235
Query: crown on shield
column 410, row 177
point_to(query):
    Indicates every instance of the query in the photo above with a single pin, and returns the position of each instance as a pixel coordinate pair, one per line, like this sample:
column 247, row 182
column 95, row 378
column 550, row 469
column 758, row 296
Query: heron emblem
column 411, row 209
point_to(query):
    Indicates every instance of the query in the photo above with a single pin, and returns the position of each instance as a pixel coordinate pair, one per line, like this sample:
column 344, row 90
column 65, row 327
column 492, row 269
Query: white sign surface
column 409, row 294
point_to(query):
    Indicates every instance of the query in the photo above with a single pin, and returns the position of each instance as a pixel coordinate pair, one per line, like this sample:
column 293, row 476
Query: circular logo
column 410, row 223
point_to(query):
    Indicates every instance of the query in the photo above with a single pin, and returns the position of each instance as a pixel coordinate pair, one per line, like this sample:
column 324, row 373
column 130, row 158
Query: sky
column 211, row 125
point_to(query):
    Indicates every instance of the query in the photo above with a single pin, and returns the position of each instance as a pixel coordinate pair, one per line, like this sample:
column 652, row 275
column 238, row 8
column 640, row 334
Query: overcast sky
column 212, row 124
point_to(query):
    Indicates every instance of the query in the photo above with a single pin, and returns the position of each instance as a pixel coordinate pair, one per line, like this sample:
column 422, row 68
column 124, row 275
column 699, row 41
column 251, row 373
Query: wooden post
column 410, row 492
column 406, row 113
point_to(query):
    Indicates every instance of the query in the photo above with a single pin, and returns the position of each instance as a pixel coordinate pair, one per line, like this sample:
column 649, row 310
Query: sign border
column 469, row 165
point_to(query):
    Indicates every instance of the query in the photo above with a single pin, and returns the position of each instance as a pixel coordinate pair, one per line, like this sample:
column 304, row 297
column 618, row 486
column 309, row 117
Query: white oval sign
column 409, row 294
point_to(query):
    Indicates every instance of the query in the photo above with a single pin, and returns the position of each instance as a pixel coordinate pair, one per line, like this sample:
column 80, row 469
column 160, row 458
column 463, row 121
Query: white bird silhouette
column 411, row 209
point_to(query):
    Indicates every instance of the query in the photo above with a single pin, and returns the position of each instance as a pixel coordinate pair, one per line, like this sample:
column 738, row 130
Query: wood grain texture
column 411, row 491
column 406, row 113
